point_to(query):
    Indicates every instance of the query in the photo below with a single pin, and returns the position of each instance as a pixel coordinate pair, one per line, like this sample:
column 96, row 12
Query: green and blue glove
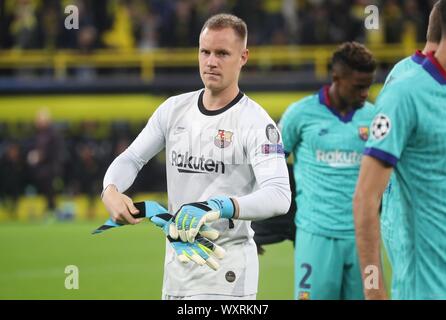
column 191, row 217
column 201, row 251
column 147, row 209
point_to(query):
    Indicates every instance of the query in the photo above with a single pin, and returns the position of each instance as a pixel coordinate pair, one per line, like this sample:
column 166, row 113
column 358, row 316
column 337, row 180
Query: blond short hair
column 224, row 20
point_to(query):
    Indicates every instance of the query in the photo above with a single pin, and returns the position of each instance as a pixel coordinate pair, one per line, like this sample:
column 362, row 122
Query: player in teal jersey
column 326, row 134
column 408, row 136
column 392, row 228
column 433, row 37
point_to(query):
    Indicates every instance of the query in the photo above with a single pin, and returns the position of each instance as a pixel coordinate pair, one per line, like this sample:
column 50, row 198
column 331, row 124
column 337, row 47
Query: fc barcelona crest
column 364, row 133
column 223, row 138
column 304, row 295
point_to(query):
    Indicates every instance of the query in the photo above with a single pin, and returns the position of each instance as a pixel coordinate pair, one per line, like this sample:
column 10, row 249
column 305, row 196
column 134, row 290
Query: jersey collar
column 207, row 112
column 324, row 98
column 418, row 57
column 434, row 68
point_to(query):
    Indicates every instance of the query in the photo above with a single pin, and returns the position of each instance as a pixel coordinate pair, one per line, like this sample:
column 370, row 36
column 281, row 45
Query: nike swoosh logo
column 323, row 132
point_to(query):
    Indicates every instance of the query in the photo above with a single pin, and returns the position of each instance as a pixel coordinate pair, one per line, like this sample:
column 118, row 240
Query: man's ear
column 335, row 77
column 338, row 72
column 244, row 58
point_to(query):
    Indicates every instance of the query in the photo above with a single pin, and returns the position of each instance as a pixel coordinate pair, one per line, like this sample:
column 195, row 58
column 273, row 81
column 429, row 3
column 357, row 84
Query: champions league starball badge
column 272, row 134
column 381, row 126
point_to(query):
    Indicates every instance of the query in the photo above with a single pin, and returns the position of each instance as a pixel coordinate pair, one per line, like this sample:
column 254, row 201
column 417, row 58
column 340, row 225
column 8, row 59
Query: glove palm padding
column 191, row 217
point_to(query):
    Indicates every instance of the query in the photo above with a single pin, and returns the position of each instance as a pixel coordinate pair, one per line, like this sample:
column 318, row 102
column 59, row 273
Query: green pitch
column 125, row 263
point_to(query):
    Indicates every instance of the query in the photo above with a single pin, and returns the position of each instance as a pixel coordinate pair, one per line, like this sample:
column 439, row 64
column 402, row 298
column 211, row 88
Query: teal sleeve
column 289, row 127
column 392, row 127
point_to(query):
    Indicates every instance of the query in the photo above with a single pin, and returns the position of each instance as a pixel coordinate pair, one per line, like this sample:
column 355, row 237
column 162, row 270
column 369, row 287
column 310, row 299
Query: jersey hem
column 202, row 292
column 328, row 234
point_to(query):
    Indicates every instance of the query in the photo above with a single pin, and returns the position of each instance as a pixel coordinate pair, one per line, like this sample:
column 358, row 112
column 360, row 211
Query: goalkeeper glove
column 147, row 209
column 200, row 251
column 191, row 217
column 154, row 211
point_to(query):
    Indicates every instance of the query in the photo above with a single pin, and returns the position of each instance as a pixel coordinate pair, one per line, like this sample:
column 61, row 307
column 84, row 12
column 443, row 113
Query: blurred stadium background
column 71, row 100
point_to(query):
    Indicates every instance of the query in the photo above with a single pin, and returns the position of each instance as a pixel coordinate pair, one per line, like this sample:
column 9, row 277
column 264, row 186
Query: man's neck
column 440, row 54
column 336, row 101
column 430, row 46
column 216, row 100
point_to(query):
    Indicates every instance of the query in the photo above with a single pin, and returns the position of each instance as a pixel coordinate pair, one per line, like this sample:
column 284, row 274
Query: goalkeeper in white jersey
column 225, row 166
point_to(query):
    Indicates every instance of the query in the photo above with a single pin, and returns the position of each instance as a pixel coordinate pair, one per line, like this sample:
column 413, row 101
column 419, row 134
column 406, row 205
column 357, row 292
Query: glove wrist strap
column 224, row 204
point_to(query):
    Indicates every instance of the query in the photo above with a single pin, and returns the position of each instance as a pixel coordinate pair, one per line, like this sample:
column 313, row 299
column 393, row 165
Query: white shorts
column 237, row 276
column 210, row 297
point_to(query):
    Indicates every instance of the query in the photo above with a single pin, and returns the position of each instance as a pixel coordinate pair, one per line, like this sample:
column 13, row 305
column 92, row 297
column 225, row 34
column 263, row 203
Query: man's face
column 221, row 56
column 353, row 87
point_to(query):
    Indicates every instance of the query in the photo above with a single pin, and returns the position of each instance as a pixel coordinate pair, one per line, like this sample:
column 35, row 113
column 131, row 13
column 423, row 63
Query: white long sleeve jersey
column 235, row 151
